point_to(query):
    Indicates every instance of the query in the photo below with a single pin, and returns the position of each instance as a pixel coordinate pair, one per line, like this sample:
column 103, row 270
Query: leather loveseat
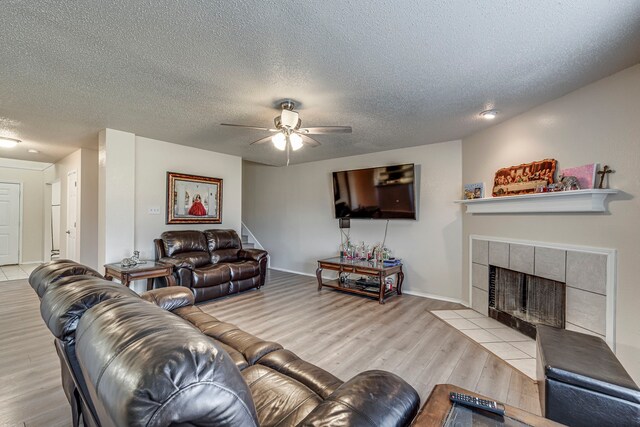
column 158, row 360
column 211, row 263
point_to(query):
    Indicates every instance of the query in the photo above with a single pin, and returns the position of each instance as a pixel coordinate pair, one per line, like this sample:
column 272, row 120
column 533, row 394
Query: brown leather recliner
column 211, row 263
column 158, row 360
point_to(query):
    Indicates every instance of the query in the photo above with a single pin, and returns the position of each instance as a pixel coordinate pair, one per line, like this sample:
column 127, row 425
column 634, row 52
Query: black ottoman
column 582, row 383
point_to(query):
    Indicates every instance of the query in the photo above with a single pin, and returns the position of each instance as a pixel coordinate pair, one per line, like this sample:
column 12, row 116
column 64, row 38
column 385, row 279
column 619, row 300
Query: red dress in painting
column 197, row 209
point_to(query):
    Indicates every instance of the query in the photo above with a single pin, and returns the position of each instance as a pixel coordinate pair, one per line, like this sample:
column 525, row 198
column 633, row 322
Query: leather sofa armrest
column 369, row 398
column 177, row 263
column 170, row 298
column 252, row 254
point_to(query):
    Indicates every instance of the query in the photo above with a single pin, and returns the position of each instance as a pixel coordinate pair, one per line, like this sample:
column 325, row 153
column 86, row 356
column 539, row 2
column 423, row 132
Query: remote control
column 487, row 405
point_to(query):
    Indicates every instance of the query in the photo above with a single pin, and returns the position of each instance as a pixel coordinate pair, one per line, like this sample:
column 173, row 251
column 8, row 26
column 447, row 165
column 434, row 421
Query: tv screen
column 386, row 192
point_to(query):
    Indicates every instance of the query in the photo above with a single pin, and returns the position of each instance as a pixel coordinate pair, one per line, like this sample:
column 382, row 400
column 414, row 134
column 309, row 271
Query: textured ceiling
column 402, row 73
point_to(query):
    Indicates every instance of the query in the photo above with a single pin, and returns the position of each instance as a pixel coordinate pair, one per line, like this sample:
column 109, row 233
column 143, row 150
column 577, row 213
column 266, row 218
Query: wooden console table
column 150, row 270
column 437, row 408
column 371, row 269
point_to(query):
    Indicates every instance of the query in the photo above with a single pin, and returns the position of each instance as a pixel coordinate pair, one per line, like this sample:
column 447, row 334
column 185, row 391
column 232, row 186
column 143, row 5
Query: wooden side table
column 150, row 270
column 437, row 407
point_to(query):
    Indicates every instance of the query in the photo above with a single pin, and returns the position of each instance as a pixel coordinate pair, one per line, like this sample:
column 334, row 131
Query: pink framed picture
column 586, row 175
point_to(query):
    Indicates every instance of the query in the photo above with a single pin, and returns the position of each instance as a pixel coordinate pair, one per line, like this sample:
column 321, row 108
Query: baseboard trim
column 291, row 271
column 414, row 293
column 434, row 296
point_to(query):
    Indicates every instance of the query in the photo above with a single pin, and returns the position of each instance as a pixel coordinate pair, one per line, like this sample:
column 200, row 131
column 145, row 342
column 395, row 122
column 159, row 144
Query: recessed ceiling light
column 489, row 114
column 8, row 142
column 31, row 150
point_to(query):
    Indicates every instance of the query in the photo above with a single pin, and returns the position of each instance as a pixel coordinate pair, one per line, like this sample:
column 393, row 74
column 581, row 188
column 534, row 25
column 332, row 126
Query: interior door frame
column 20, row 214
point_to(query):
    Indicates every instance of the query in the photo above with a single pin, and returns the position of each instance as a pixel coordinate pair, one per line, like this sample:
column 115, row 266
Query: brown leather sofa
column 158, row 360
column 211, row 263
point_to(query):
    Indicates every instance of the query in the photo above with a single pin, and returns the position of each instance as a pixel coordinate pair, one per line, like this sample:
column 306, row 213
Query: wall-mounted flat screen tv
column 386, row 192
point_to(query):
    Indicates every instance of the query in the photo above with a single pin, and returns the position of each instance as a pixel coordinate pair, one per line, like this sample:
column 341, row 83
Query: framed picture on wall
column 193, row 199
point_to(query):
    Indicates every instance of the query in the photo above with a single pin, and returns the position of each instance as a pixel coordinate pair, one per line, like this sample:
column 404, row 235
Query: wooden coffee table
column 438, row 406
column 377, row 271
column 150, row 270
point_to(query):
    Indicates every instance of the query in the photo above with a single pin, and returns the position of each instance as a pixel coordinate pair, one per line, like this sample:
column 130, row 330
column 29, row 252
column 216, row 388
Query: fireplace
column 561, row 285
column 522, row 301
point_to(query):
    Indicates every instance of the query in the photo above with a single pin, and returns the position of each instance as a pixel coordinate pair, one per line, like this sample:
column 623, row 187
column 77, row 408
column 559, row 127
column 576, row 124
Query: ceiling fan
column 288, row 135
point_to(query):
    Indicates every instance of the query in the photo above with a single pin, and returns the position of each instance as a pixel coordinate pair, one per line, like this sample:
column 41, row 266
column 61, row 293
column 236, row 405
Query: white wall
column 598, row 123
column 32, row 210
column 116, row 195
column 153, row 159
column 290, row 211
column 85, row 162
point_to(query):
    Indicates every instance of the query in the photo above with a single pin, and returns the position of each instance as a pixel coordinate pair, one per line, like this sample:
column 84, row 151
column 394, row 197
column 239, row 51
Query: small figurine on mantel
column 604, row 172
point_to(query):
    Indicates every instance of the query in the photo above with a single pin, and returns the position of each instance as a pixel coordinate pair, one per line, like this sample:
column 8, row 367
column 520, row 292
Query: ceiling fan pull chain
column 288, row 149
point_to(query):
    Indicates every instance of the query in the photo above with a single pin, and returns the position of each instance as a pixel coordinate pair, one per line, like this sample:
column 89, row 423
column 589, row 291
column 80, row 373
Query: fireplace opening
column 522, row 301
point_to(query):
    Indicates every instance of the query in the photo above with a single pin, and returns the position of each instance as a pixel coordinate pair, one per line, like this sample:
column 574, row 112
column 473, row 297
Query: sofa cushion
column 251, row 347
column 222, row 239
column 288, row 363
column 244, row 269
column 45, row 275
column 197, row 259
column 151, row 368
column 176, row 242
column 224, row 255
column 279, row 400
column 62, row 307
column 170, row 298
column 210, row 275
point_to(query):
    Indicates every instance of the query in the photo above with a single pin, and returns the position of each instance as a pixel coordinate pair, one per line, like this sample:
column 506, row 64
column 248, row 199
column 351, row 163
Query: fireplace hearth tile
column 550, row 263
column 480, row 251
column 521, row 355
column 587, row 310
column 480, row 335
column 461, row 324
column 507, row 334
column 528, row 347
column 587, row 271
column 505, row 351
column 480, row 300
column 470, row 314
column 526, row 366
column 521, row 258
column 446, row 314
column 499, row 254
column 480, row 276
column 488, row 323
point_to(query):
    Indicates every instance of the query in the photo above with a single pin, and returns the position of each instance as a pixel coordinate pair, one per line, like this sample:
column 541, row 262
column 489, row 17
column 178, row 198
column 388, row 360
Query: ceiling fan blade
column 249, row 127
column 262, row 140
column 323, row 130
column 307, row 140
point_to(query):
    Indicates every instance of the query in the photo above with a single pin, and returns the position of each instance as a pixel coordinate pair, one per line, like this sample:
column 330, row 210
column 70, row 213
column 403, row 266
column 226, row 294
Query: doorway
column 9, row 223
column 72, row 214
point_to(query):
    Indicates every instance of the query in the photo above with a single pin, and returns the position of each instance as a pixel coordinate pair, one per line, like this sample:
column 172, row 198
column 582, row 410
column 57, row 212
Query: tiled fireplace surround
column 589, row 274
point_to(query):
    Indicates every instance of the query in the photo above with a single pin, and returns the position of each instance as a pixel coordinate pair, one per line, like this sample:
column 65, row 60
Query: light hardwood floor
column 344, row 334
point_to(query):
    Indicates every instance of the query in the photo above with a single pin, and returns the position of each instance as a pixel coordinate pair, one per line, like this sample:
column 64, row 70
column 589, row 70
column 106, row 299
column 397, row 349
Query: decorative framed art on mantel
column 193, row 199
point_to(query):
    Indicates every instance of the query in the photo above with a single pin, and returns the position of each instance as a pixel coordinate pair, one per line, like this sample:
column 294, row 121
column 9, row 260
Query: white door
column 72, row 214
column 9, row 223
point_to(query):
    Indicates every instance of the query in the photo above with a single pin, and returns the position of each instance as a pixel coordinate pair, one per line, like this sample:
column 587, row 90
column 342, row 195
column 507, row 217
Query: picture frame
column 525, row 178
column 473, row 191
column 585, row 174
column 193, row 199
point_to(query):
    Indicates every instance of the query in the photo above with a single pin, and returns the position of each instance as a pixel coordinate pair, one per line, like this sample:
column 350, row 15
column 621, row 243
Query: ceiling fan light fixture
column 8, row 142
column 296, row 141
column 289, row 119
column 489, row 114
column 279, row 141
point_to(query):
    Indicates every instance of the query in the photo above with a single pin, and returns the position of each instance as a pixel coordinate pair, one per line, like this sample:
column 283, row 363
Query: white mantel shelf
column 561, row 201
